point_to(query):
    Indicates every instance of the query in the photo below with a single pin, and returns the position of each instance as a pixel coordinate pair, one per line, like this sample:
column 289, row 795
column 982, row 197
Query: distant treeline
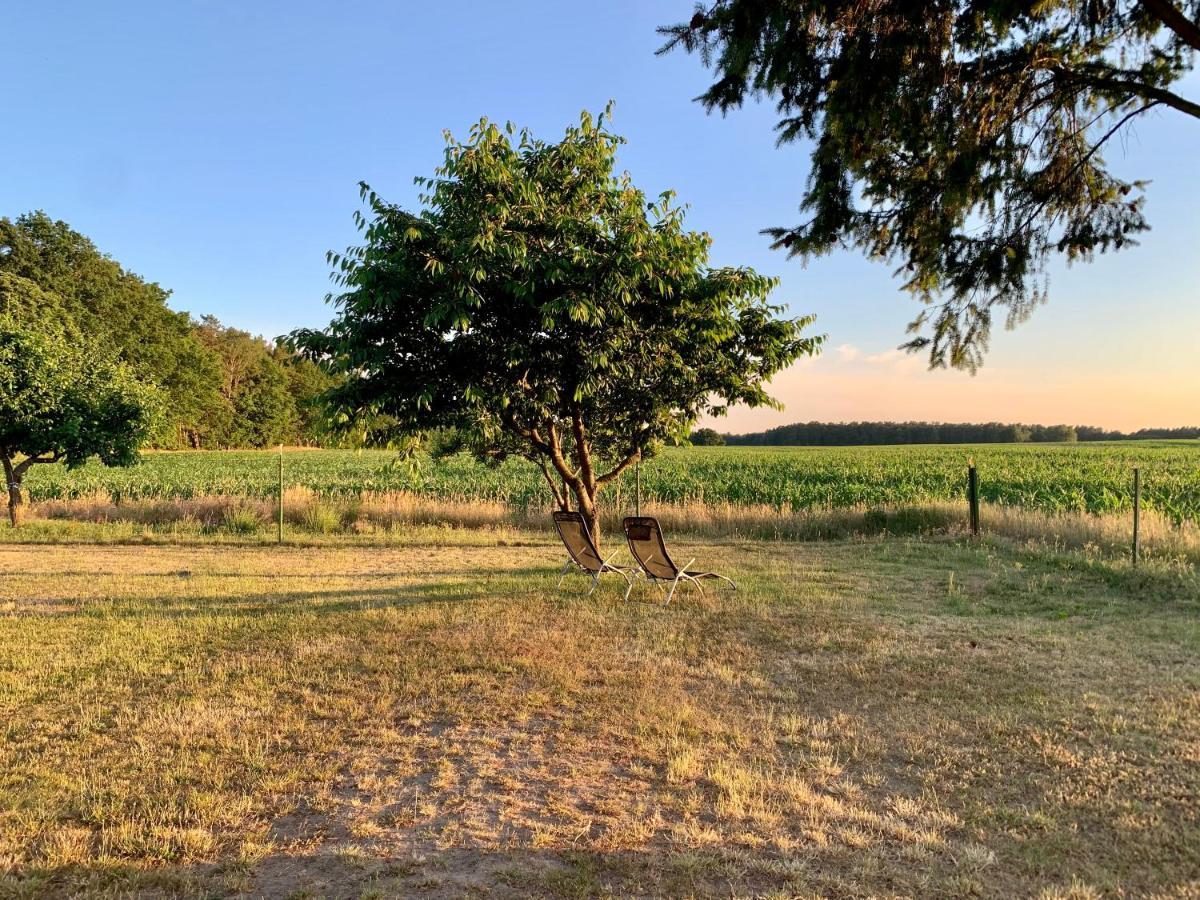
column 844, row 434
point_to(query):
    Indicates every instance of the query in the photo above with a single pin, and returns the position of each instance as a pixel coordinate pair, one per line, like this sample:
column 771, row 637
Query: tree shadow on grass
column 185, row 574
column 456, row 587
column 318, row 601
column 443, row 873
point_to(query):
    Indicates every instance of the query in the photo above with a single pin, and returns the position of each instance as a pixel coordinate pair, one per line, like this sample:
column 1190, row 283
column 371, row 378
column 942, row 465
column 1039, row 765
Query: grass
column 902, row 716
column 394, row 517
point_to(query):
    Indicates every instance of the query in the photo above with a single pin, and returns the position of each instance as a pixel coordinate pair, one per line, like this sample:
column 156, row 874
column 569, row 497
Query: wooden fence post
column 1137, row 509
column 973, row 497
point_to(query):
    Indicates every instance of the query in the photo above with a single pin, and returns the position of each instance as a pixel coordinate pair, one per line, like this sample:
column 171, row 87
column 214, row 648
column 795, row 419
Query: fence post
column 973, row 497
column 281, row 493
column 637, row 500
column 1137, row 509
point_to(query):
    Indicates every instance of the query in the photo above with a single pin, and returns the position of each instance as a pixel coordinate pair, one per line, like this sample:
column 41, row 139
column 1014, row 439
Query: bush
column 321, row 518
column 241, row 519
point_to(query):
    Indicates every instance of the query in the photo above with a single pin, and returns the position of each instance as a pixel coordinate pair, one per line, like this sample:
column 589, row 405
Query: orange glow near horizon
column 845, row 384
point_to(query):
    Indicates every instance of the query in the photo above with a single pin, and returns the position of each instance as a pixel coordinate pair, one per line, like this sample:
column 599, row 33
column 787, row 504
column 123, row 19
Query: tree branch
column 529, row 434
column 624, row 464
column 1136, row 88
column 559, row 497
column 582, row 450
column 560, row 462
column 1079, row 164
column 1171, row 16
column 550, row 446
column 24, row 465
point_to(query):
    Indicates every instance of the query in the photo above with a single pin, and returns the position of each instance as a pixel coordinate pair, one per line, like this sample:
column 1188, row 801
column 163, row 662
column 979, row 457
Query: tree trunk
column 16, row 504
column 15, row 499
column 590, row 512
column 584, row 502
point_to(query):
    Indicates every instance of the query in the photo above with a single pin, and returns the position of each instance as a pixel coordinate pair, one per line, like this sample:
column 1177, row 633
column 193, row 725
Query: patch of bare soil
column 460, row 809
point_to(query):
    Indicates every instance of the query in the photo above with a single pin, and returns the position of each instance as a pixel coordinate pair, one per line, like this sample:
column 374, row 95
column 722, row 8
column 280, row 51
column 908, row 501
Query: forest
column 222, row 387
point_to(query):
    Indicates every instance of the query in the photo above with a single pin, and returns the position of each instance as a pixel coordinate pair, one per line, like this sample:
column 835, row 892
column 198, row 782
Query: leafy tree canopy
column 117, row 309
column 707, row 437
column 541, row 306
column 224, row 387
column 63, row 400
column 268, row 393
column 22, row 301
column 307, row 383
column 961, row 139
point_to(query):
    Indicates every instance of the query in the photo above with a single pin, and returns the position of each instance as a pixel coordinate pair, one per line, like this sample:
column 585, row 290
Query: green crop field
column 1093, row 477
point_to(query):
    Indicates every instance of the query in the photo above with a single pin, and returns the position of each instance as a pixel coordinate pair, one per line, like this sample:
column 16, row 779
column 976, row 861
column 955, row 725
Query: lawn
column 903, row 716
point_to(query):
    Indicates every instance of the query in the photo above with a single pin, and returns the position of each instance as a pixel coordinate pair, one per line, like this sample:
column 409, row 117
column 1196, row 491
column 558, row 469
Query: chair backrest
column 647, row 546
column 578, row 540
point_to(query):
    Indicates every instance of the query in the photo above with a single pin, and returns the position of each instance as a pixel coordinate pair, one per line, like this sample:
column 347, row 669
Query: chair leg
column 723, row 578
column 671, row 593
column 563, row 572
column 595, row 584
column 628, row 583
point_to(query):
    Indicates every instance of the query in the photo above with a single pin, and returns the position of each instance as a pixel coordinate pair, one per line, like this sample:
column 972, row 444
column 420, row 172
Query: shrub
column 241, row 519
column 321, row 518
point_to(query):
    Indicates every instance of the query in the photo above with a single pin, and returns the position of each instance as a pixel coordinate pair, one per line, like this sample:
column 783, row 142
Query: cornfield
column 1091, row 478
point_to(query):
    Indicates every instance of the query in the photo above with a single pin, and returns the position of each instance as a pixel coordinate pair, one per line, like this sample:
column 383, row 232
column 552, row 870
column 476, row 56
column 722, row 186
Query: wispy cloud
column 899, row 362
column 848, row 352
column 884, row 357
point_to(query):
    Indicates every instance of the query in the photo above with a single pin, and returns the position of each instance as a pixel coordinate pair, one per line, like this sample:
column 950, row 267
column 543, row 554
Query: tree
column 306, row 382
column 707, row 437
column 117, row 309
column 23, row 302
column 264, row 412
column 960, row 139
column 63, row 401
column 538, row 304
column 259, row 407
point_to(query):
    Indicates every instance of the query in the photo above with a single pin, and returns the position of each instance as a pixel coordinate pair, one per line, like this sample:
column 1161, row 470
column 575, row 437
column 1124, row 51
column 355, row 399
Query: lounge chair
column 650, row 550
column 584, row 554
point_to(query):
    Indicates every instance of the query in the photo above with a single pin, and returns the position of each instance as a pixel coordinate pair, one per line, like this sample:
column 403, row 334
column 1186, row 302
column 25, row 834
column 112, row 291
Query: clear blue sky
column 216, row 147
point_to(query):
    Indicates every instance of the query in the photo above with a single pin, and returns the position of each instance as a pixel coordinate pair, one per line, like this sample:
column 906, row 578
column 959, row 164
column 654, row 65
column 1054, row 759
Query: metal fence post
column 973, row 497
column 1137, row 509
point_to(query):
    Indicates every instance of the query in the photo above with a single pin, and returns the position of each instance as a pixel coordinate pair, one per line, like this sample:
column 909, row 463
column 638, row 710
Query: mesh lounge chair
column 650, row 550
column 584, row 555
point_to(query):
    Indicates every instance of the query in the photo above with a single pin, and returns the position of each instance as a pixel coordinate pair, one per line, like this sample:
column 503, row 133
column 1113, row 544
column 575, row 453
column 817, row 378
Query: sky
column 216, row 147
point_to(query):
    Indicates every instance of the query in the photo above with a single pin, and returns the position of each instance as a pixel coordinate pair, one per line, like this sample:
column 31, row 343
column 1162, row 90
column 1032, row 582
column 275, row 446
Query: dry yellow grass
column 866, row 717
column 380, row 514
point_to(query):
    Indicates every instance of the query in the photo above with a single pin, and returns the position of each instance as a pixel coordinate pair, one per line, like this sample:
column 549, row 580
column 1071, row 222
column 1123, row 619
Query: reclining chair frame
column 681, row 572
column 574, row 518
